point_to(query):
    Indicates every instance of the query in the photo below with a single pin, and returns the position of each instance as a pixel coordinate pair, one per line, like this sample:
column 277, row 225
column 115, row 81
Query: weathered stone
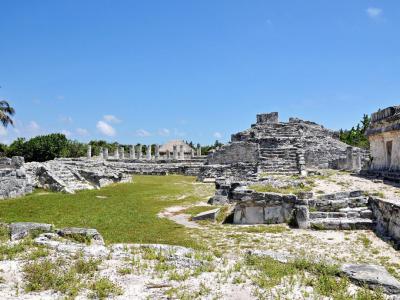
column 375, row 277
column 23, row 229
column 302, row 216
column 14, row 181
column 53, row 241
column 89, row 151
column 280, row 147
column 259, row 208
column 207, row 215
column 92, row 234
column 282, row 257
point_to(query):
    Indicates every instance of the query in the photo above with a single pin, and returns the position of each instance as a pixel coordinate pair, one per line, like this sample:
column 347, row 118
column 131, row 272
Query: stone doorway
column 389, row 146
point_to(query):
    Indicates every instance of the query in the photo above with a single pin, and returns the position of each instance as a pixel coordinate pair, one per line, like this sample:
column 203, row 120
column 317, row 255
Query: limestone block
column 207, row 215
column 23, row 229
column 375, row 277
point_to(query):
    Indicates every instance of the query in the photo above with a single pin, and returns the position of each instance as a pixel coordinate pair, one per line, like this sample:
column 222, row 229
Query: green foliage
column 47, row 275
column 87, row 266
column 4, row 233
column 104, row 288
column 12, row 250
column 40, row 148
column 356, row 136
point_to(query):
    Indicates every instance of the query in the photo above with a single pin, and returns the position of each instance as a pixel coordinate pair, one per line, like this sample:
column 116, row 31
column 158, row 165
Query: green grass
column 4, row 233
column 275, row 229
column 128, row 215
column 282, row 190
column 195, row 210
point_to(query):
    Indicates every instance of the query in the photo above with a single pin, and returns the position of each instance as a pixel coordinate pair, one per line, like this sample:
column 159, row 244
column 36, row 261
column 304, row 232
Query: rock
column 53, row 241
column 20, row 230
column 302, row 216
column 86, row 233
column 207, row 215
column 282, row 257
column 373, row 276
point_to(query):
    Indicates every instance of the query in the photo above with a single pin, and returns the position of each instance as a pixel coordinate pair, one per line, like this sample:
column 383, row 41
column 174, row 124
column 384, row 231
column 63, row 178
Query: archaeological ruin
column 272, row 173
column 384, row 138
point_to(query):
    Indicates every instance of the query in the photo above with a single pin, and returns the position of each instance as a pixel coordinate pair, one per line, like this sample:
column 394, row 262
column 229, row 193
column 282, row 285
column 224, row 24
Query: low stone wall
column 387, row 218
column 13, row 179
column 262, row 208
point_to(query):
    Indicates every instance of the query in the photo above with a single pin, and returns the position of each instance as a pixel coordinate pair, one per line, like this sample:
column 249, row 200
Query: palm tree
column 6, row 111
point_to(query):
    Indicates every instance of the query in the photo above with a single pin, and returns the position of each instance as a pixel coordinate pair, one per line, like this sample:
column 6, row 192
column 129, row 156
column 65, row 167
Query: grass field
column 128, row 214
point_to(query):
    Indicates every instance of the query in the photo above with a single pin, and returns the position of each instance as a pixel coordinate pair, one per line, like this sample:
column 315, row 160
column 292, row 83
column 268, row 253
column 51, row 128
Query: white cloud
column 82, row 131
column 111, row 119
column 374, row 12
column 164, row 132
column 33, row 127
column 65, row 132
column 217, row 135
column 142, row 133
column 60, row 97
column 66, row 119
column 105, row 128
column 179, row 133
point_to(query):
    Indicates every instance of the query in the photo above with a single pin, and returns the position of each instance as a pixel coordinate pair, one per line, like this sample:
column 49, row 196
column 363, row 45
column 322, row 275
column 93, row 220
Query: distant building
column 384, row 137
column 167, row 150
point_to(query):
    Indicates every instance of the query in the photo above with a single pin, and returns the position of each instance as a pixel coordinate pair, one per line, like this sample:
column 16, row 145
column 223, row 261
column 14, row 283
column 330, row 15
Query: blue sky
column 151, row 71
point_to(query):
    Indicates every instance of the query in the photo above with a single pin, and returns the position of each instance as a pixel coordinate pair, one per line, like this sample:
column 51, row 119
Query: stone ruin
column 269, row 146
column 384, row 137
column 14, row 181
column 288, row 147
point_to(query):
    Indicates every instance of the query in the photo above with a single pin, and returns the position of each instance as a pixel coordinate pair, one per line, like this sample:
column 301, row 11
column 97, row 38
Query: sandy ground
column 342, row 181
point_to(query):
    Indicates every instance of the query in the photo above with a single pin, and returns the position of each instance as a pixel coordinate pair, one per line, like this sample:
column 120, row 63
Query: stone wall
column 387, row 218
column 235, row 152
column 262, row 208
column 13, row 179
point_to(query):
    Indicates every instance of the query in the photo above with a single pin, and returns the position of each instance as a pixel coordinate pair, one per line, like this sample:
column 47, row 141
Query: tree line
column 356, row 135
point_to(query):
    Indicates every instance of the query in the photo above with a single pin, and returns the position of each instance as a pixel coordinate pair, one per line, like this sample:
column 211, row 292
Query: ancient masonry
column 13, row 179
column 292, row 147
column 384, row 137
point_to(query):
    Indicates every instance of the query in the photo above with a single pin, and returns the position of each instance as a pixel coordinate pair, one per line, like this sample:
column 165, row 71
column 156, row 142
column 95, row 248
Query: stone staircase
column 67, row 177
column 279, row 160
column 343, row 210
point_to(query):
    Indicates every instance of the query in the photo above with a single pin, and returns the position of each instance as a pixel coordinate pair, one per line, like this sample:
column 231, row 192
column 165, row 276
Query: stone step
column 341, row 223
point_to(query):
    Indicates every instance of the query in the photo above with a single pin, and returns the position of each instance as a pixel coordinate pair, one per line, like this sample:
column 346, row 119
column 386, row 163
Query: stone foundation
column 13, row 179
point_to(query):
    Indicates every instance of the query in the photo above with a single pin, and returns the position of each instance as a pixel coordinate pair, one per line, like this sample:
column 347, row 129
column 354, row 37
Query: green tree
column 6, row 112
column 356, row 135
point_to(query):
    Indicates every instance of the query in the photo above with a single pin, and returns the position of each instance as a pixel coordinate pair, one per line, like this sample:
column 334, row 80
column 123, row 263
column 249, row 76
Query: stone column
column 192, row 154
column 101, row 153
column 199, row 151
column 89, row 151
column 349, row 158
column 139, row 153
column 168, row 155
column 121, row 153
column 116, row 154
column 181, row 152
column 157, row 152
column 105, row 153
column 132, row 152
column 148, row 152
column 175, row 152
